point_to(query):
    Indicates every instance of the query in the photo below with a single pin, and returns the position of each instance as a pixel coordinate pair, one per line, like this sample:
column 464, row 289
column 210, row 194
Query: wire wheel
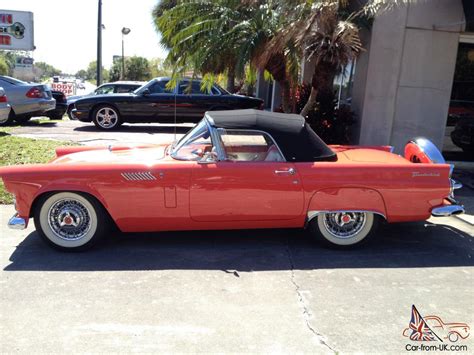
column 106, row 117
column 344, row 224
column 70, row 221
column 343, row 228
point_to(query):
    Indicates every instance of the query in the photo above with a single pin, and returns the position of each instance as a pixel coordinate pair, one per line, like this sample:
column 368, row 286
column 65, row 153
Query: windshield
column 195, row 144
column 144, row 86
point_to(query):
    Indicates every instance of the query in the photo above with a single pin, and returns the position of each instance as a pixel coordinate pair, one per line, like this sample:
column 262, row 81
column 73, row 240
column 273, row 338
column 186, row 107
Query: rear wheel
column 343, row 229
column 22, row 119
column 70, row 221
column 9, row 119
column 55, row 116
column 106, row 117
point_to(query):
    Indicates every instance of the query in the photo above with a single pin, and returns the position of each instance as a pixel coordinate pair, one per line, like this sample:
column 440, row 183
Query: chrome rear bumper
column 16, row 222
column 445, row 211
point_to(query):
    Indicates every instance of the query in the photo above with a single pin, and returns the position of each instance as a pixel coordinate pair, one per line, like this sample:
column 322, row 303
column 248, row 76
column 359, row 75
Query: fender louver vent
column 147, row 176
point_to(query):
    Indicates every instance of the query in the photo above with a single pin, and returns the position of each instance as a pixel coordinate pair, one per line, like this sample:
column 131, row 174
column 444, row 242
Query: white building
column 403, row 81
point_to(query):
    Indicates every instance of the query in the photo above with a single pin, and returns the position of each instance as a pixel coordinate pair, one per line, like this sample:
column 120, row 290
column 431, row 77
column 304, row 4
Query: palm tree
column 225, row 36
column 192, row 32
column 328, row 33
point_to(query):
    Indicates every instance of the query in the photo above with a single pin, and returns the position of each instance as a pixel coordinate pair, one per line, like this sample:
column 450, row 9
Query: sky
column 65, row 31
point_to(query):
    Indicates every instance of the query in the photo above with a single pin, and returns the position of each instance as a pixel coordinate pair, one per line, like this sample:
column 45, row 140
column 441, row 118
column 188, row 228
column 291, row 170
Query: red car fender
column 348, row 199
column 28, row 193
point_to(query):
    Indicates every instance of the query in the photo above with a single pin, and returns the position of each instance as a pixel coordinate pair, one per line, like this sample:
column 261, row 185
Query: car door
column 156, row 104
column 192, row 101
column 247, row 186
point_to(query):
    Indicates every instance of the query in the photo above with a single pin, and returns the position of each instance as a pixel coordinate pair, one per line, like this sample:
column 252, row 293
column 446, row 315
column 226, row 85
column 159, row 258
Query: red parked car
column 233, row 170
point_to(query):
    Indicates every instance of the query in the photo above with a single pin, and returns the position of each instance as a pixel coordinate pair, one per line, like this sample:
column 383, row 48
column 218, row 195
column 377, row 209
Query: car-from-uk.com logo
column 431, row 333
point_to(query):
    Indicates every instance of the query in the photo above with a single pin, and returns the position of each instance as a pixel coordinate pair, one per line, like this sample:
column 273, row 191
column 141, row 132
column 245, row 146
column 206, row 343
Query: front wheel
column 106, row 117
column 70, row 221
column 343, row 229
column 69, row 113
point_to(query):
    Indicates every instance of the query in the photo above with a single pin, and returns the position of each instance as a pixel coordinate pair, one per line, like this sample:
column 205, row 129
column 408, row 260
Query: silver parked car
column 4, row 107
column 26, row 99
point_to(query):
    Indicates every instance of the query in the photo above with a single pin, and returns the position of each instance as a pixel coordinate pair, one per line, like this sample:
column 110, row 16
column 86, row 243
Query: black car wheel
column 106, row 117
column 22, row 119
column 55, row 116
column 69, row 114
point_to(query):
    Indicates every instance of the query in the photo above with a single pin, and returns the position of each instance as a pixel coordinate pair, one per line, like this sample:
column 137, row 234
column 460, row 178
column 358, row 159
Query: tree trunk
column 277, row 67
column 321, row 81
column 285, row 96
column 310, row 103
column 231, row 79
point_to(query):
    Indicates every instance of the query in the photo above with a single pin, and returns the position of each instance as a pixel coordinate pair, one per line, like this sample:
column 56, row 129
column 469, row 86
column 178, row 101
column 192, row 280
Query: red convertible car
column 234, row 170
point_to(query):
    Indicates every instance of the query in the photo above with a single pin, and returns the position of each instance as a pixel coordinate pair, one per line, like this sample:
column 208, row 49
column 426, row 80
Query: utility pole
column 99, row 44
column 125, row 31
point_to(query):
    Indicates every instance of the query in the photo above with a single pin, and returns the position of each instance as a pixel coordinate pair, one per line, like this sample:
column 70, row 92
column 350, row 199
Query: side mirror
column 146, row 92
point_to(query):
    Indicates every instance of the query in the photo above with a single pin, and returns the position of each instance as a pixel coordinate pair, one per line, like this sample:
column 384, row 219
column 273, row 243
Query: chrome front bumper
column 16, row 222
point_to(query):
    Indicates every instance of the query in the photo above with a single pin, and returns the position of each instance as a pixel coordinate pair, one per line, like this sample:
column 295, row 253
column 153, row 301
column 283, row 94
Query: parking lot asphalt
column 233, row 291
column 88, row 134
column 250, row 291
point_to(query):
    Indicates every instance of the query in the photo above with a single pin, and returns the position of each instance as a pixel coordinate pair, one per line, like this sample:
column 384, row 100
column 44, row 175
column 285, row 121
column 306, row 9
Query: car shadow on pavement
column 407, row 245
column 139, row 129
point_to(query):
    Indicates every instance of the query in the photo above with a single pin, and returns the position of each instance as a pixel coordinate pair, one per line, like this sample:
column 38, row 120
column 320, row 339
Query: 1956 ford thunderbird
column 233, row 170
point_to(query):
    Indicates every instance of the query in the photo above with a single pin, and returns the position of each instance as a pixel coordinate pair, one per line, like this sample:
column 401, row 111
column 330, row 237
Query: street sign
column 16, row 30
column 67, row 88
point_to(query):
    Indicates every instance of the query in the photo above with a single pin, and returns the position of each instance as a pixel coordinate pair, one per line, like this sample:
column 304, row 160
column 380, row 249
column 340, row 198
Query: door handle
column 290, row 171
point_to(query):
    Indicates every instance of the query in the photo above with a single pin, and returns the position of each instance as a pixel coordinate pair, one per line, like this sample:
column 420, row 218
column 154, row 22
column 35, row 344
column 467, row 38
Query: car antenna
column 177, row 88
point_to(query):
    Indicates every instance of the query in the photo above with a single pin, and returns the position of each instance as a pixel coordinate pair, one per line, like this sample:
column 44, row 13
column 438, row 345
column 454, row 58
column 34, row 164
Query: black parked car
column 61, row 106
column 116, row 87
column 153, row 102
column 463, row 134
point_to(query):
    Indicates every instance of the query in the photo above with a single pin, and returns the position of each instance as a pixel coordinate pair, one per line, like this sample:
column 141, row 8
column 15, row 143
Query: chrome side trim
column 17, row 222
column 445, row 211
column 312, row 214
column 140, row 176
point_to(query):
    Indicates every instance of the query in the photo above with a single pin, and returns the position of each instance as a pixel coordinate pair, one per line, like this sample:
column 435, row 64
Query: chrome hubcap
column 69, row 219
column 344, row 224
column 106, row 117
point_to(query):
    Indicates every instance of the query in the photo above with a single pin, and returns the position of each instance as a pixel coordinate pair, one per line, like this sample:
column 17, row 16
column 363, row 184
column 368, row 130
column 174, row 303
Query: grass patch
column 18, row 150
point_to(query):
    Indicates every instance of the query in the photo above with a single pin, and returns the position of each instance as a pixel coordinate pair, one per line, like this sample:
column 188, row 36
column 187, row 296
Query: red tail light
column 34, row 93
column 3, row 98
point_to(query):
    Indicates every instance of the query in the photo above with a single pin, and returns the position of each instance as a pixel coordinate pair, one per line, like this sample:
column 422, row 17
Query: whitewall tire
column 70, row 221
column 343, row 229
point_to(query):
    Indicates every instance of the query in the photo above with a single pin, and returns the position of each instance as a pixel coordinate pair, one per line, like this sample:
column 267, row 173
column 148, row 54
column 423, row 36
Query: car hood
column 110, row 156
